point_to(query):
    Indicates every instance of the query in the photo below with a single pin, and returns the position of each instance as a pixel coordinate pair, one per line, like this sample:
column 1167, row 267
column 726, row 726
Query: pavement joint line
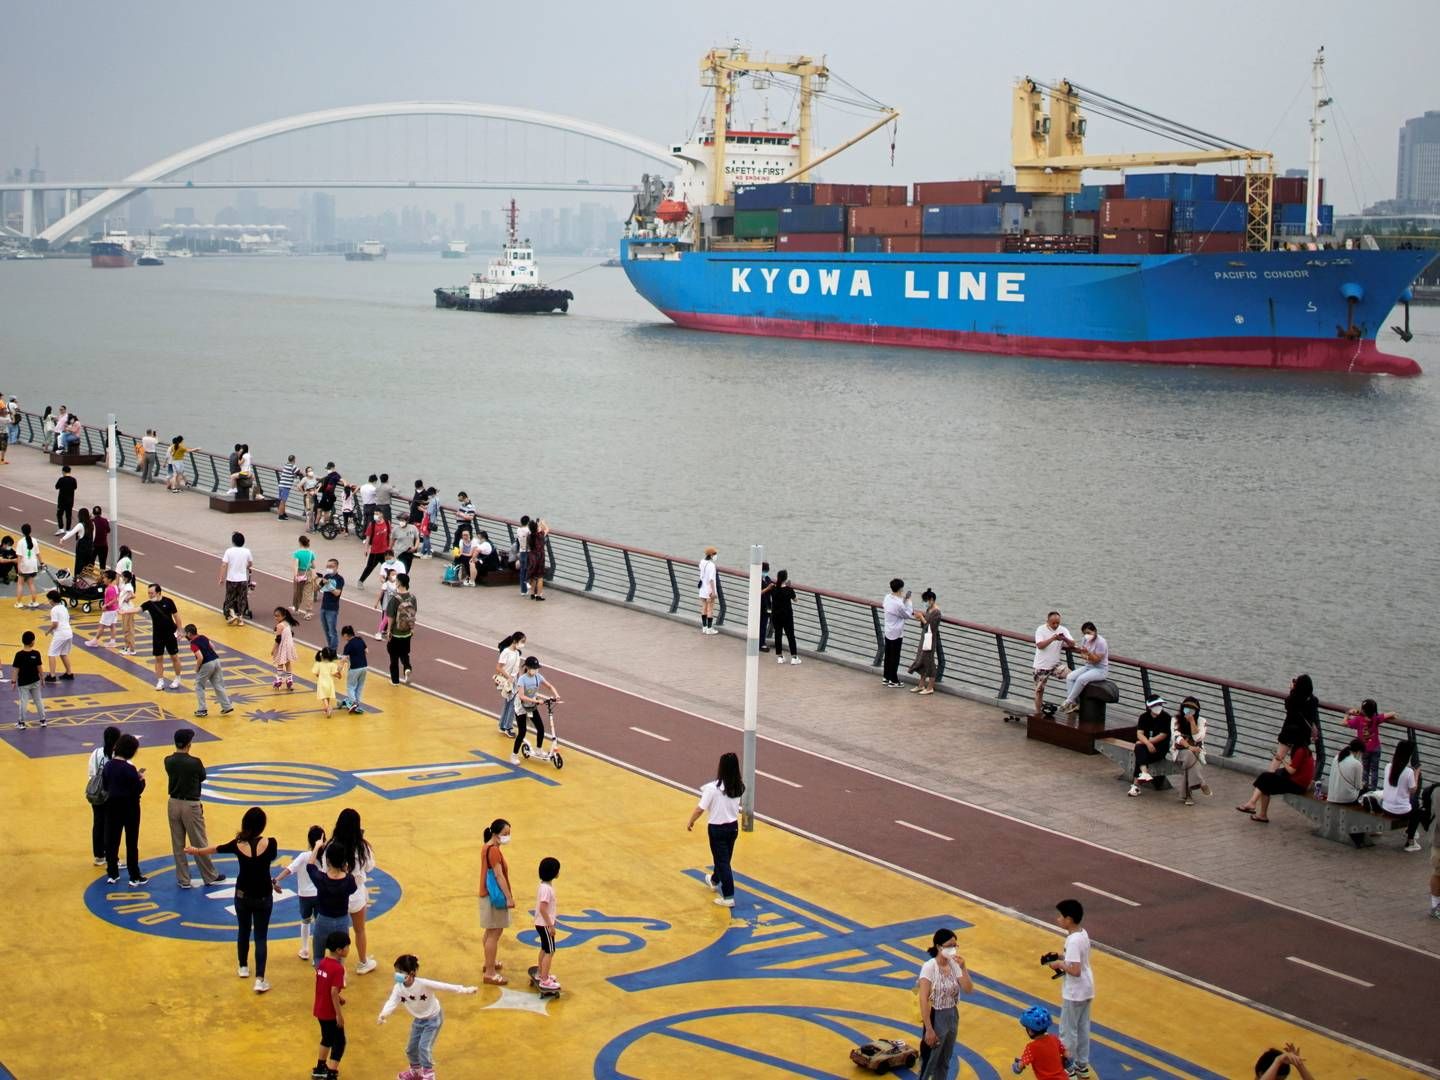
column 651, row 734
column 1330, row 971
column 184, row 569
column 1102, row 892
column 449, row 663
column 922, row 829
column 777, row 779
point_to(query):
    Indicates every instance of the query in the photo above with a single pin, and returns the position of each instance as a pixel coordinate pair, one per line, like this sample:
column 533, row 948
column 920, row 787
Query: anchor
column 1404, row 331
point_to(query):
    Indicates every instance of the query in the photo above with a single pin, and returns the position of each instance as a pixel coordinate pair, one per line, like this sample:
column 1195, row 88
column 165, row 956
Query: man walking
column 236, row 566
column 187, row 817
column 332, row 587
column 898, row 610
column 288, row 475
column 522, row 553
column 401, row 611
column 207, row 673
column 64, row 501
column 384, row 495
column 366, row 495
column 1051, row 641
column 377, row 535
column 164, row 621
column 405, row 541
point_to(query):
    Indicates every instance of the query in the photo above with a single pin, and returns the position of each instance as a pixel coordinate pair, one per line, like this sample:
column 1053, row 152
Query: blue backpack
column 452, row 575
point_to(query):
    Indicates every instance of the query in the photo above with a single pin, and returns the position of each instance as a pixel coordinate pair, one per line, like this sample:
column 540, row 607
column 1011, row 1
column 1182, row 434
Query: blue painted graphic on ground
column 592, row 926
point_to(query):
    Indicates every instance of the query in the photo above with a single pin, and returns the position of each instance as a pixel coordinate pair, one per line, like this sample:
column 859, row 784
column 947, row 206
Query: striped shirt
column 288, row 474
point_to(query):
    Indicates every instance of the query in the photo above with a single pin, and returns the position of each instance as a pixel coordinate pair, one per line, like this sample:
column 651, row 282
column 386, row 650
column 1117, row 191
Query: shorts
column 307, row 907
column 359, row 900
column 161, row 646
column 109, row 618
column 4, row 439
column 330, row 1033
column 26, row 577
column 547, row 940
column 492, row 917
column 60, row 646
column 1044, row 675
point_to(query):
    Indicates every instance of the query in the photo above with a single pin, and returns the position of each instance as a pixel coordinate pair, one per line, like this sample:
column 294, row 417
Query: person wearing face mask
column 1187, row 749
column 496, row 897
column 1152, row 738
column 943, row 978
column 1095, row 651
column 419, row 998
column 925, row 665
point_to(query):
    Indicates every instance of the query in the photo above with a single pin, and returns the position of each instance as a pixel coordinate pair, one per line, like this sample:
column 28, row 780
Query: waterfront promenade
column 658, row 697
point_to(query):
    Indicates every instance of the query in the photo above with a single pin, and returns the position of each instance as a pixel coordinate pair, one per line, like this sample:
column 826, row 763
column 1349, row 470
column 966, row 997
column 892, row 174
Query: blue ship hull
column 1302, row 310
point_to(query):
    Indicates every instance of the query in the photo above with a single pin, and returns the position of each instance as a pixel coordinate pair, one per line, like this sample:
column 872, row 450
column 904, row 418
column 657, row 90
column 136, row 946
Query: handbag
column 927, row 642
column 492, row 888
column 95, row 793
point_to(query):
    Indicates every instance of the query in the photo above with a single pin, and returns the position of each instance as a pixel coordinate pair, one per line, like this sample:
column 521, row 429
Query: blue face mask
column 400, row 978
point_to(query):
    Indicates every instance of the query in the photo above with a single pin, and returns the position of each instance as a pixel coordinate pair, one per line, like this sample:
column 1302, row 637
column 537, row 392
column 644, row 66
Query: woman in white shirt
column 720, row 800
column 507, row 670
column 943, row 978
column 1402, row 792
column 98, row 757
column 1187, row 748
column 707, row 590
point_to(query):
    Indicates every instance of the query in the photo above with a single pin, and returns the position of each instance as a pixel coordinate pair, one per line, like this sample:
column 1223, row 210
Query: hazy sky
column 105, row 88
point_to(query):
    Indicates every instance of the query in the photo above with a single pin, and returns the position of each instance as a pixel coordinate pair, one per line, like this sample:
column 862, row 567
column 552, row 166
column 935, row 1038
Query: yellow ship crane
column 1048, row 148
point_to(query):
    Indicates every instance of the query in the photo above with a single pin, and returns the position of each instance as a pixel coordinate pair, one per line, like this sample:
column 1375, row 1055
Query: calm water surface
column 1237, row 523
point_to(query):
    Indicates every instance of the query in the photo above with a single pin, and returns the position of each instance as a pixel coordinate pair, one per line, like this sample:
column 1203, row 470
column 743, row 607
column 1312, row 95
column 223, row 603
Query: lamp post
column 112, row 463
column 752, row 686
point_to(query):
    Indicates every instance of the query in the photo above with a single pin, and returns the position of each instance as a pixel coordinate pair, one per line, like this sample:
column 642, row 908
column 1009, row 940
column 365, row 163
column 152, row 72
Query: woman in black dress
column 254, row 890
column 1302, row 719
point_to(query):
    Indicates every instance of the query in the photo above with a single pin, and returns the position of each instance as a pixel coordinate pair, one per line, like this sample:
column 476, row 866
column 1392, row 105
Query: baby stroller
column 76, row 592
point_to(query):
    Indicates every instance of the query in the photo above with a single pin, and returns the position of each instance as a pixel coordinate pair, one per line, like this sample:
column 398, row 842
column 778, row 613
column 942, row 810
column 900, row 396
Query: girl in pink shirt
column 545, row 924
column 109, row 612
column 1366, row 721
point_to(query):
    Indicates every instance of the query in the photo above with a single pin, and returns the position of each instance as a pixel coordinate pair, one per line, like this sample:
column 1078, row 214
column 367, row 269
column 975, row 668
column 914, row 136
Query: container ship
column 368, row 251
column 112, row 251
column 1166, row 267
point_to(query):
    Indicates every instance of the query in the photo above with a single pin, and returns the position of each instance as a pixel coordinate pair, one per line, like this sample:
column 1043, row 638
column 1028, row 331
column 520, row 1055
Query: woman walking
column 496, row 897
column 706, row 589
column 123, row 784
column 283, row 656
column 924, row 664
column 83, row 533
column 98, row 757
column 27, row 565
column 782, row 615
column 943, row 978
column 254, row 890
column 507, row 671
column 539, row 532
column 304, row 578
column 720, row 800
column 1187, row 748
column 361, row 860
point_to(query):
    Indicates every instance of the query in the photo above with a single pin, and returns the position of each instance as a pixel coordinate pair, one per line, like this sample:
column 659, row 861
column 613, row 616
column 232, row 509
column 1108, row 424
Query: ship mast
column 512, row 220
column 1312, row 176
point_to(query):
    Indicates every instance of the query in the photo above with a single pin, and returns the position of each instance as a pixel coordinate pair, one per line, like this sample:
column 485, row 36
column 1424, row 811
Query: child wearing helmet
column 1045, row 1053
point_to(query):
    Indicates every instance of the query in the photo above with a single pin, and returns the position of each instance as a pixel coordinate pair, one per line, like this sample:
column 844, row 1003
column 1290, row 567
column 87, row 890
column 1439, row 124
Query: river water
column 1237, row 523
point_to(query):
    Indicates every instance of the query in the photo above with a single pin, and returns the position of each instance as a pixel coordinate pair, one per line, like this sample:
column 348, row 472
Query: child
column 329, row 1006
column 530, row 690
column 325, row 671
column 128, row 608
column 1366, row 721
column 418, row 996
column 109, row 612
column 387, row 590
column 284, row 654
column 545, row 921
column 304, row 887
column 356, row 668
column 1077, row 991
column 347, row 507
column 27, row 678
column 1044, row 1053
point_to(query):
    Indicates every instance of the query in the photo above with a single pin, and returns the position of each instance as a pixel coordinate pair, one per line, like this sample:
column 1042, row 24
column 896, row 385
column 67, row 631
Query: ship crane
column 1048, row 148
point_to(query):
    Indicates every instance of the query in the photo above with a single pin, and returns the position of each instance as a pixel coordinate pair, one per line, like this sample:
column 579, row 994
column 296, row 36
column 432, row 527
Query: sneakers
column 1205, row 790
column 20, row 726
column 724, row 901
column 202, row 712
column 112, row 881
column 1412, row 845
column 159, row 684
column 405, row 678
column 1134, row 790
column 50, row 678
column 215, row 881
column 304, row 953
column 135, row 883
column 779, row 659
column 227, row 710
column 184, row 884
column 711, row 883
column 367, row 966
column 261, row 986
column 99, row 860
column 174, row 684
column 319, row 1072
column 1144, row 777
column 794, row 659
column 1435, row 912
column 548, row 983
column 1080, row 1072
column 67, row 676
column 514, row 759
column 355, row 710
column 1071, row 707
column 1187, row 801
column 243, row 972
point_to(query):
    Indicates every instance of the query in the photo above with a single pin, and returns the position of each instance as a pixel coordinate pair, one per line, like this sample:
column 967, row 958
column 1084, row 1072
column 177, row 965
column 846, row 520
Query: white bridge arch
column 159, row 170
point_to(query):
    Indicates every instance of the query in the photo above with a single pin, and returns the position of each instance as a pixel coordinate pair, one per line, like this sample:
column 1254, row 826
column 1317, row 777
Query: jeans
column 1078, row 680
column 325, row 925
column 722, row 847
column 524, row 572
column 935, row 1060
column 253, row 913
column 72, row 443
column 507, row 714
column 210, row 675
column 355, row 686
column 1075, row 1030
column 399, row 650
column 31, row 693
column 1371, row 759
column 422, row 1041
column 122, row 815
column 892, row 658
column 329, row 617
column 15, row 433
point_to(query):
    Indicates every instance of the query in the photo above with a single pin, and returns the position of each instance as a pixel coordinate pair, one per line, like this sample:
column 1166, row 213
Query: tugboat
column 510, row 284
column 368, row 251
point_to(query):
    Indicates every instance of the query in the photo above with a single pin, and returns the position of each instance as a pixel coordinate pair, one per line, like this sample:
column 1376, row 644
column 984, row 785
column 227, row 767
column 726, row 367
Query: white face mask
column 1089, row 637
column 504, row 840
column 948, row 952
column 1155, row 710
column 1189, row 711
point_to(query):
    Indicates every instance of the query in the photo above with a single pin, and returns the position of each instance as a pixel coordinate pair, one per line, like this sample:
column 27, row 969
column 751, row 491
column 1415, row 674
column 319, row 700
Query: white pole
column 1312, row 178
column 752, row 686
column 112, row 461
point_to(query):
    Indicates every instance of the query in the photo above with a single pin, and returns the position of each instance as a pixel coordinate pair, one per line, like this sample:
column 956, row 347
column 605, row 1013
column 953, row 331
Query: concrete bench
column 509, row 577
column 1122, row 752
column 1079, row 731
column 77, row 458
column 233, row 504
column 1342, row 822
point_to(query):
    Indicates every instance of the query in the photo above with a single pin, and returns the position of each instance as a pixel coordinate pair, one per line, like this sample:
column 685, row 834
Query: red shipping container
column 842, row 195
column 1114, row 191
column 902, row 245
column 1203, row 243
column 889, row 195
column 1134, row 242
column 1291, row 189
column 1229, row 188
column 969, row 245
column 823, row 242
column 875, row 220
column 1135, row 214
column 954, row 192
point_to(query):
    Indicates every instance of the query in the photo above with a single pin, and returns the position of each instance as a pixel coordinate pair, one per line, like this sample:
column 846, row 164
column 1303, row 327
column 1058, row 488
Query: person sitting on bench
column 466, row 552
column 1403, row 797
column 487, row 559
column 1095, row 651
column 1347, row 781
column 1294, row 777
column 1152, row 739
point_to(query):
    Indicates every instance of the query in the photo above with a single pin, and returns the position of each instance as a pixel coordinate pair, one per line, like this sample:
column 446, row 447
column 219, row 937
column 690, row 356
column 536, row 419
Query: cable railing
column 982, row 662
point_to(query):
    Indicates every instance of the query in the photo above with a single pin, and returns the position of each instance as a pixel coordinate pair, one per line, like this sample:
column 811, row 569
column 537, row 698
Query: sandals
column 495, row 980
column 1245, row 809
column 1261, row 820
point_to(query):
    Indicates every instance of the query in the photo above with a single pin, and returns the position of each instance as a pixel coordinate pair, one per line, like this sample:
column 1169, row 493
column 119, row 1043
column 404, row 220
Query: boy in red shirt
column 329, row 982
column 1045, row 1053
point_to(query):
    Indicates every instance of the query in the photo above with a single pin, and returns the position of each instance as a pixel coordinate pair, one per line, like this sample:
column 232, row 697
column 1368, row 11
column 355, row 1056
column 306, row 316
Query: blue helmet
column 1036, row 1020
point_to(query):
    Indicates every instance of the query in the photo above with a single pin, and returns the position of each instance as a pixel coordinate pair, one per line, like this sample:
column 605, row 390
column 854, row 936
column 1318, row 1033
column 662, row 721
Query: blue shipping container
column 1206, row 216
column 812, row 219
column 1087, row 200
column 1008, row 194
column 1187, row 187
column 773, row 196
column 867, row 244
column 1290, row 213
column 982, row 220
column 1290, row 219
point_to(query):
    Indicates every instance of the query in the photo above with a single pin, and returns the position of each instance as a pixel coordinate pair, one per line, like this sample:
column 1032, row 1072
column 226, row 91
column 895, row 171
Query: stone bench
column 233, row 504
column 77, row 458
column 508, row 576
column 1122, row 752
column 1342, row 821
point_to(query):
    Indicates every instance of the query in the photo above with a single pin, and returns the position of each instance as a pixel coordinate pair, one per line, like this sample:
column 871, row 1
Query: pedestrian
column 782, row 616
column 1187, row 748
column 522, row 553
column 1366, row 721
column 47, row 429
column 925, row 664
column 417, row 501
column 164, row 622
column 109, row 612
column 767, row 587
column 101, row 524
column 149, row 456
column 254, row 890
column 326, row 495
column 185, row 774
column 382, row 602
column 128, row 610
column 1095, row 651
column 329, row 873
column 402, row 612
column 1077, row 992
column 64, row 501
column 95, row 790
column 545, row 908
column 707, row 589
column 1044, row 1053
column 507, row 671
column 123, row 784
column 304, row 887
column 61, row 637
column 366, row 500
column 303, row 577
column 329, row 1007
column 720, row 802
column 405, row 541
column 943, row 978
column 124, row 562
column 284, row 655
column 236, row 566
column 348, row 513
column 27, row 566
column 1051, row 641
column 26, row 663
column 496, row 897
column 332, row 587
column 356, row 666
column 285, row 484
column 350, row 836
column 16, row 415
column 898, row 610
column 384, row 494
column 539, row 537
column 531, row 689
column 419, row 998
column 1302, row 719
column 207, row 673
column 83, row 533
column 429, row 522
column 175, row 464
column 309, row 486
column 377, row 540
column 325, row 671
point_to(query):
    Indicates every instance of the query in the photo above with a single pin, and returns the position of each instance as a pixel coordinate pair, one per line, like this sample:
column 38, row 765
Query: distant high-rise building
column 459, row 221
column 322, row 218
column 37, row 174
column 139, row 212
column 184, row 215
column 1417, row 177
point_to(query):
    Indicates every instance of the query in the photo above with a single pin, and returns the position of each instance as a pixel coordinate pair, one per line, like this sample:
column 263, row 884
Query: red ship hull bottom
column 1362, row 357
column 111, row 262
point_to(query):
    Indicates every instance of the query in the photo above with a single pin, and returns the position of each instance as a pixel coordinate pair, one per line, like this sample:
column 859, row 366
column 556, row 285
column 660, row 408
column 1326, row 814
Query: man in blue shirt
column 207, row 672
column 332, row 586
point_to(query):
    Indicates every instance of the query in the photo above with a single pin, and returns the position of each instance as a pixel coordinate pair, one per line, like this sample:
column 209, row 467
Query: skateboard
column 535, row 983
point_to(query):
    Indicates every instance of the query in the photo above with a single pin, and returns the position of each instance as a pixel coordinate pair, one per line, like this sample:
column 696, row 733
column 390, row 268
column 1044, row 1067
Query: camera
column 1046, row 959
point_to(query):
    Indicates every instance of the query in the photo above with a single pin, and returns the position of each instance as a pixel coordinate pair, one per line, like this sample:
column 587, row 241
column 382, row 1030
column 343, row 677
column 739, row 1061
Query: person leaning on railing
column 1302, row 719
column 175, row 463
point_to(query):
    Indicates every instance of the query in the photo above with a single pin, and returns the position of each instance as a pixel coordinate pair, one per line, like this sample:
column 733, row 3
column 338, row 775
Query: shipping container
column 953, row 192
column 1012, row 217
column 867, row 245
column 1209, row 215
column 1049, row 221
column 1134, row 241
column 1052, row 244
column 1087, row 199
column 902, row 245
column 753, row 224
column 890, row 245
column 812, row 219
column 821, row 242
column 1203, row 243
column 1135, row 214
column 888, row 195
column 1114, row 191
column 1082, row 224
column 966, row 245
column 1230, row 188
column 842, row 195
column 773, row 196
column 1175, row 186
column 875, row 220
column 965, row 220
column 1006, row 193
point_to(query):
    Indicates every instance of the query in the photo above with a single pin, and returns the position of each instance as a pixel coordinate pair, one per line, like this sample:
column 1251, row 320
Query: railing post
column 879, row 637
column 1231, row 734
column 720, row 596
column 1004, row 666
column 674, row 587
column 824, row 626
column 589, row 566
column 549, row 560
column 939, row 657
column 194, row 471
column 1145, row 682
column 629, row 573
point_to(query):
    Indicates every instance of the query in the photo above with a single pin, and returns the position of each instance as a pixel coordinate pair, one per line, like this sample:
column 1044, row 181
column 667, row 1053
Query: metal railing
column 979, row 661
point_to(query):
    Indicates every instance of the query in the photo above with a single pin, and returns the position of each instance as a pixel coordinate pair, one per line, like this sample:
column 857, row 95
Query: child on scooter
column 545, row 923
column 418, row 997
column 531, row 690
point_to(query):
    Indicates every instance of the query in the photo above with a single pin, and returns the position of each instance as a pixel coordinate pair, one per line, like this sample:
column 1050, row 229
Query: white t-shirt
column 60, row 615
column 127, row 599
column 367, row 494
column 1078, row 987
column 1052, row 654
column 29, row 553
column 510, row 661
column 1395, row 800
column 303, row 885
column 721, row 808
column 148, row 443
column 707, row 578
column 392, row 564
column 237, row 562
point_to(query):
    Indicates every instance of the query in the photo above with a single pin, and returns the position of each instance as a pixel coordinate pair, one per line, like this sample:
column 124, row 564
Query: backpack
column 95, row 793
column 452, row 575
column 405, row 608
